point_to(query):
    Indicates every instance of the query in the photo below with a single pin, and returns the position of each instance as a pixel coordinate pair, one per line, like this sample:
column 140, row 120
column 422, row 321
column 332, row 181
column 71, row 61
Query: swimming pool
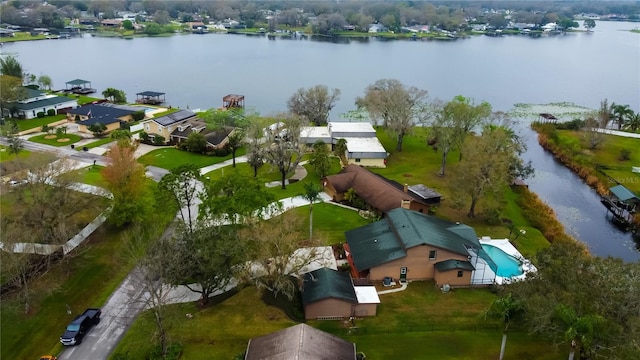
column 508, row 266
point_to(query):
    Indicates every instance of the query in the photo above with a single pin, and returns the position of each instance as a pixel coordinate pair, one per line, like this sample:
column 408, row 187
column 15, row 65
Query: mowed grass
column 55, row 140
column 26, row 124
column 171, row 158
column 97, row 143
column 5, row 155
column 91, row 175
column 330, row 221
column 220, row 331
column 85, row 279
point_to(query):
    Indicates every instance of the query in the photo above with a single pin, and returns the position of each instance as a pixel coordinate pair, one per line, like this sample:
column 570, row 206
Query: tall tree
column 284, row 150
column 255, row 152
column 276, row 247
column 44, row 81
column 505, row 309
column 452, row 123
column 10, row 66
column 11, row 90
column 579, row 331
column 314, row 104
column 125, row 178
column 114, row 95
column 400, row 107
column 15, row 143
column 340, row 150
column 589, row 24
column 236, row 139
column 211, row 257
column 621, row 114
column 604, row 114
column 183, row 186
column 311, row 194
column 487, row 166
column 236, row 199
column 319, row 159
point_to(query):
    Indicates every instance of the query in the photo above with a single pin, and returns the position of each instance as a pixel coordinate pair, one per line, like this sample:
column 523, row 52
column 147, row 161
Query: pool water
column 508, row 266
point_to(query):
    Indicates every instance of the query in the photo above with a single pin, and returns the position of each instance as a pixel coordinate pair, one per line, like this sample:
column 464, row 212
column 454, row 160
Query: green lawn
column 6, row 156
column 62, row 140
column 83, row 280
column 97, row 143
column 26, row 124
column 421, row 320
column 171, row 158
column 91, row 175
column 330, row 221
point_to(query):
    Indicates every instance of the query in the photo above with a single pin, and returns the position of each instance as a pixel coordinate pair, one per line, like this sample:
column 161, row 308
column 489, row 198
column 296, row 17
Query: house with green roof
column 35, row 101
column 330, row 294
column 408, row 245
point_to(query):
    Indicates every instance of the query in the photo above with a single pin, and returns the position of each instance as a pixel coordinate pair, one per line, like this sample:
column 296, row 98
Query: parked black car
column 79, row 327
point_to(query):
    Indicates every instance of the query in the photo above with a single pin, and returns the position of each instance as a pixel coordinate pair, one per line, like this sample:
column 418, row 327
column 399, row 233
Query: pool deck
column 483, row 273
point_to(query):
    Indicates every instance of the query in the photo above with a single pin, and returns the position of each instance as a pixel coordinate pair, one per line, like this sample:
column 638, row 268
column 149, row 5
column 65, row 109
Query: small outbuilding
column 232, row 101
column 150, row 97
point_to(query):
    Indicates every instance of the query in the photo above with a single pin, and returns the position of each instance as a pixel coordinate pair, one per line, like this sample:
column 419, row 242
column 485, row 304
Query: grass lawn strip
column 6, row 156
column 171, row 158
column 55, row 140
column 36, row 123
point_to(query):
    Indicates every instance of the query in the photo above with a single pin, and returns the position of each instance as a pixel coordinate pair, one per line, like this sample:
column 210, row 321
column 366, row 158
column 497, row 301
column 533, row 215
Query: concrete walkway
column 403, row 287
column 619, row 133
column 210, row 168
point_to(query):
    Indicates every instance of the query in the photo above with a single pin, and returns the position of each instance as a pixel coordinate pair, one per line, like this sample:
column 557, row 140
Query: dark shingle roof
column 31, row 93
column 99, row 110
column 213, row 137
column 326, row 283
column 454, row 264
column 175, row 117
column 300, row 342
column 376, row 190
column 100, row 119
column 389, row 238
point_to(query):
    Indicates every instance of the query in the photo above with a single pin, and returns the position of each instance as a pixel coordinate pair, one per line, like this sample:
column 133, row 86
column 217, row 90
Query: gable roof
column 374, row 189
column 99, row 110
column 327, row 283
column 175, row 117
column 32, row 93
column 300, row 342
column 213, row 136
column 100, row 119
column 623, row 193
column 39, row 104
column 388, row 239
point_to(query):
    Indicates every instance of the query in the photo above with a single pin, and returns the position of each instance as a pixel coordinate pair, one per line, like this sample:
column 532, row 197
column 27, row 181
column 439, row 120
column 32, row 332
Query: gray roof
column 424, row 192
column 34, row 105
column 175, row 117
column 389, row 238
column 327, row 283
column 78, row 82
column 300, row 342
column 453, row 264
column 100, row 119
column 623, row 193
column 31, row 93
column 100, row 110
column 150, row 93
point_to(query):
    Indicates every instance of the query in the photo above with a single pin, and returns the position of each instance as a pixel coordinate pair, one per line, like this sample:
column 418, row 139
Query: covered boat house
column 150, row 97
column 622, row 203
column 79, row 86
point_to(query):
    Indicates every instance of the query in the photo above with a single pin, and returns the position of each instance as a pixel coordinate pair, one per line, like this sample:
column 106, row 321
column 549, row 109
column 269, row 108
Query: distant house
column 300, row 342
column 112, row 23
column 216, row 138
column 376, row 28
column 36, row 101
column 379, row 192
column 408, row 245
column 330, row 294
column 165, row 125
column 111, row 116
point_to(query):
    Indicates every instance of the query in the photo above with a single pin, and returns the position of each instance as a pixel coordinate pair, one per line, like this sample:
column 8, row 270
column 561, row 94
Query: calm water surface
column 196, row 71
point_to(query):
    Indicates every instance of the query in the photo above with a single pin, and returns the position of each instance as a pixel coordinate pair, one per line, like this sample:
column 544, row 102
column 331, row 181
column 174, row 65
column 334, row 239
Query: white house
column 38, row 101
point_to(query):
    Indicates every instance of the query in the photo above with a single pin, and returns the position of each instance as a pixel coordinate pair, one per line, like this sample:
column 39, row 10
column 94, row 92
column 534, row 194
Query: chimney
column 406, row 188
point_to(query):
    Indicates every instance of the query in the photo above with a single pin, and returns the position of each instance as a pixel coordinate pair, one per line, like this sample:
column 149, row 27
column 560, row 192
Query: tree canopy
column 314, row 104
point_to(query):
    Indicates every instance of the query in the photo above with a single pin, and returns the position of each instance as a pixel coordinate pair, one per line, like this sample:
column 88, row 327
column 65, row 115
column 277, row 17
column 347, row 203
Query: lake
column 196, row 71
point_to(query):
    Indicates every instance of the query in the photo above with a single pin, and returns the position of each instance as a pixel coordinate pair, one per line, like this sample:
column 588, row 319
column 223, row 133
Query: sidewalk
column 210, row 168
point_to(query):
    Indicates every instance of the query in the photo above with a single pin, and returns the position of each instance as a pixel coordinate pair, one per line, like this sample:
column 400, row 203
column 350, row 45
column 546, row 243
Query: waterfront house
column 107, row 114
column 216, row 138
column 376, row 28
column 408, row 245
column 300, row 342
column 35, row 101
column 380, row 193
column 330, row 295
column 165, row 125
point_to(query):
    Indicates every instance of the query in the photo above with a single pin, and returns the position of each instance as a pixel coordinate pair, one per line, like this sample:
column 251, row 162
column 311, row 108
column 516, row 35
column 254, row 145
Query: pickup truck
column 79, row 327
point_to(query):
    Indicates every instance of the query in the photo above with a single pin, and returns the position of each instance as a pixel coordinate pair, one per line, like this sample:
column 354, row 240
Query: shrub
column 625, row 154
column 144, row 137
column 158, row 140
column 575, row 124
column 221, row 152
column 51, row 112
column 40, row 114
column 138, row 115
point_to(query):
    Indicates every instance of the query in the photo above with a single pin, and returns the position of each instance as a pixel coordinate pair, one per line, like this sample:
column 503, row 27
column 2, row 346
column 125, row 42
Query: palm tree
column 634, row 122
column 311, row 194
column 621, row 114
column 504, row 309
column 580, row 330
